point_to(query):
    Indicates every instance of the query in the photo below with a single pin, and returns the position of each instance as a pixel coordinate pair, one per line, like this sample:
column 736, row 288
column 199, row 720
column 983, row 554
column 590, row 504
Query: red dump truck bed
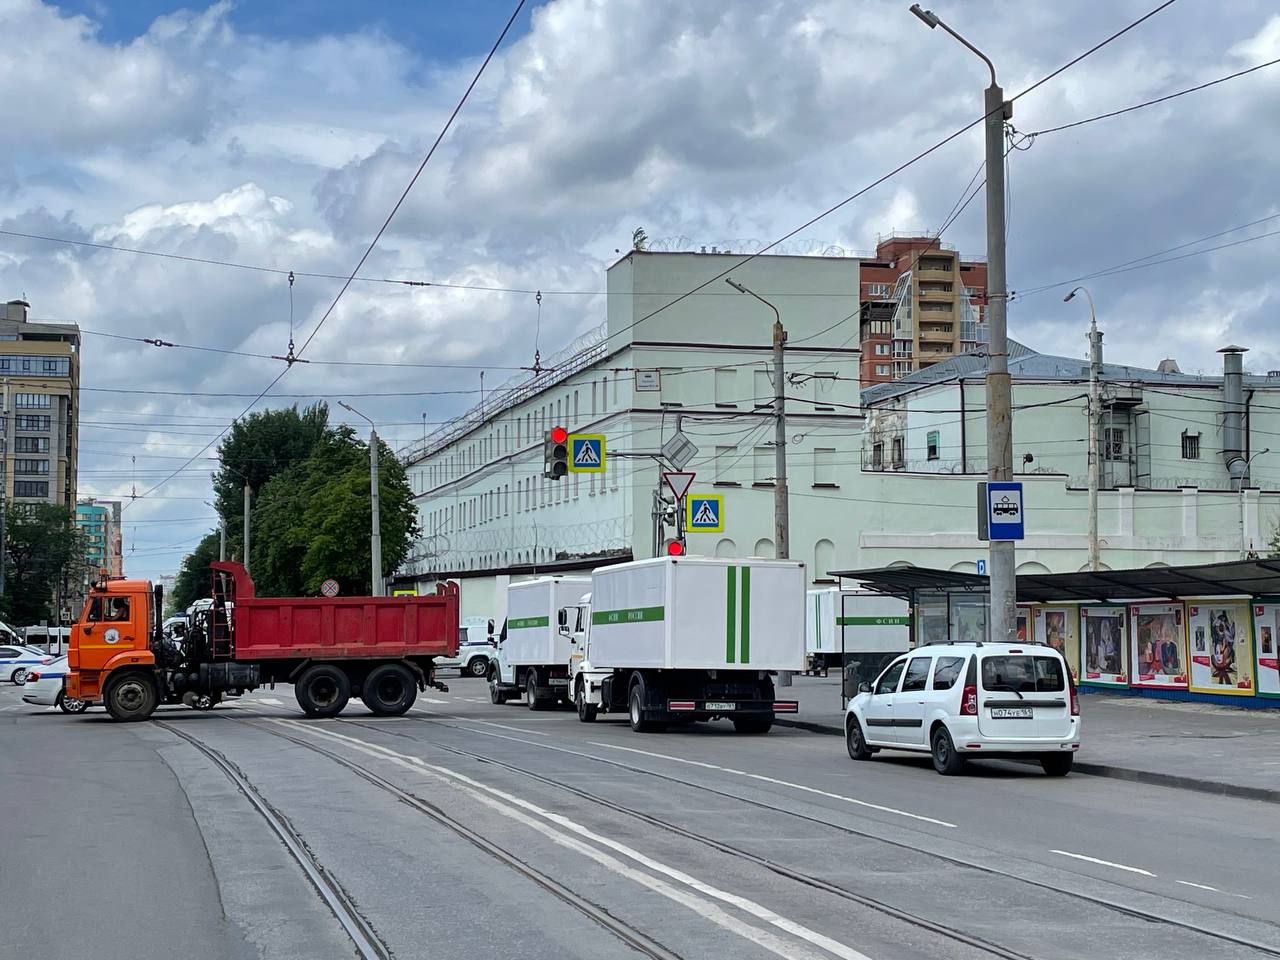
column 270, row 628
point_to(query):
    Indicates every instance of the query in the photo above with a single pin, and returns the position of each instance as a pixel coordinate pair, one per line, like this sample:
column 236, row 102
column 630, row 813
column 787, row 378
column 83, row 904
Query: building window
column 824, row 467
column 31, row 445
column 670, row 388
column 1113, row 447
column 824, row 385
column 1190, row 446
column 42, row 400
column 882, row 369
column 31, row 488
column 726, row 387
column 931, row 444
column 32, row 423
column 877, row 456
column 38, row 468
column 898, row 462
column 764, row 465
column 762, row 391
column 724, row 464
column 882, row 349
column 877, row 289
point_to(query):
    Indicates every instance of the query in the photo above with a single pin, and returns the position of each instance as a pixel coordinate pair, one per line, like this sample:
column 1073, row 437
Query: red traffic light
column 559, row 435
column 675, row 548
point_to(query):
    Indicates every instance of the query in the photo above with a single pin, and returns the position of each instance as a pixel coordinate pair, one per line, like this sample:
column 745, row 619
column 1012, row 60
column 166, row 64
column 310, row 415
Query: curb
column 1149, row 777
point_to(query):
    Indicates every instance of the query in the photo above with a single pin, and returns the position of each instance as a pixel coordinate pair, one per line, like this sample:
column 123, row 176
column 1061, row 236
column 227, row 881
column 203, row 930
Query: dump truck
column 380, row 649
column 686, row 639
column 532, row 656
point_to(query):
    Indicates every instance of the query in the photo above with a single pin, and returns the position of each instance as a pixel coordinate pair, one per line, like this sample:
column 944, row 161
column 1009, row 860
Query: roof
column 1028, row 364
column 1234, row 578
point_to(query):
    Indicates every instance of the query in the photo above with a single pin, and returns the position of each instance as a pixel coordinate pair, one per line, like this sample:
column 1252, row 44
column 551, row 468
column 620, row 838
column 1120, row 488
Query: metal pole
column 248, row 494
column 4, row 484
column 375, row 538
column 1244, row 506
column 1095, row 425
column 222, row 539
column 1003, row 626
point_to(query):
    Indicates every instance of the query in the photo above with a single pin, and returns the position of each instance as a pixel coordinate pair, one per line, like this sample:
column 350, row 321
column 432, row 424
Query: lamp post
column 1095, row 420
column 781, row 508
column 375, row 537
column 1244, row 526
column 1003, row 622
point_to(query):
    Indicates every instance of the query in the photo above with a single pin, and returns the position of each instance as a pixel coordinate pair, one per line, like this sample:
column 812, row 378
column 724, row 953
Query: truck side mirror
column 490, row 631
column 562, row 616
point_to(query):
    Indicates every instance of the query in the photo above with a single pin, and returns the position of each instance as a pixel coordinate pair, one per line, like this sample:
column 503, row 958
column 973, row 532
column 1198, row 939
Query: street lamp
column 1244, row 527
column 1003, row 625
column 375, row 537
column 1095, row 420
column 781, row 509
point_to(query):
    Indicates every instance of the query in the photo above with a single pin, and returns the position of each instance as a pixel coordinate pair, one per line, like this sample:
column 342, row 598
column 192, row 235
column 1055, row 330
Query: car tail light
column 1075, row 701
column 32, row 675
column 969, row 702
column 46, row 661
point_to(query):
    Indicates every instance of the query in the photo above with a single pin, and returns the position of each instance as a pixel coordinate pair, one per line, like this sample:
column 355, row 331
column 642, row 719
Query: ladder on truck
column 222, row 643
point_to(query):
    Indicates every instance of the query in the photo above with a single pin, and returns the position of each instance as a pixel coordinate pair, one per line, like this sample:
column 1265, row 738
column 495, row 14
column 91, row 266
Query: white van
column 961, row 700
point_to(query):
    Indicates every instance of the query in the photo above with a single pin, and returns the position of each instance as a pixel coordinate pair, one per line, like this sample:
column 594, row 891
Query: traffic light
column 675, row 548
column 555, row 453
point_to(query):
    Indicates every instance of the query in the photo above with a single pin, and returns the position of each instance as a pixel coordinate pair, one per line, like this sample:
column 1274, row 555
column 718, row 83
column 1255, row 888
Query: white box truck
column 842, row 625
column 688, row 638
column 533, row 653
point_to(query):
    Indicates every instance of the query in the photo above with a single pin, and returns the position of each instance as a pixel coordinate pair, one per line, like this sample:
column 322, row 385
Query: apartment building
column 100, row 521
column 921, row 303
column 39, row 407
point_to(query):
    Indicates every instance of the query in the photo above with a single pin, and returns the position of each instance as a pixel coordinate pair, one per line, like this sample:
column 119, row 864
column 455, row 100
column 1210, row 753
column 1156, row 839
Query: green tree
column 193, row 580
column 44, row 556
column 312, row 520
column 258, row 448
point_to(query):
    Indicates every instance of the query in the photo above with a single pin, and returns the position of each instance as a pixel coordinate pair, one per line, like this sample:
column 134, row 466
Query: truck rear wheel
column 389, row 690
column 531, row 691
column 131, row 696
column 323, row 690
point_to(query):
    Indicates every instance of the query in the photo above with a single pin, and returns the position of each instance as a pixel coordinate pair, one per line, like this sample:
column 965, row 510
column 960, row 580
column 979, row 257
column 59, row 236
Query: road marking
column 432, row 700
column 1103, row 863
column 487, row 723
column 781, row 783
column 1198, row 886
column 271, row 701
column 490, row 796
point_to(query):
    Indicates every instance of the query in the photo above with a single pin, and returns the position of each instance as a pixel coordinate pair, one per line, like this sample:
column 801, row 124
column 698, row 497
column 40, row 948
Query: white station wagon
column 960, row 700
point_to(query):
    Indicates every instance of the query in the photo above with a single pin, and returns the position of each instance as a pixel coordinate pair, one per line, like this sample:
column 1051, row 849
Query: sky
column 279, row 135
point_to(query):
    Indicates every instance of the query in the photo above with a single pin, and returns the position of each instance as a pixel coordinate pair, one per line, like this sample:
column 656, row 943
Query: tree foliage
column 257, row 449
column 44, row 555
column 193, row 580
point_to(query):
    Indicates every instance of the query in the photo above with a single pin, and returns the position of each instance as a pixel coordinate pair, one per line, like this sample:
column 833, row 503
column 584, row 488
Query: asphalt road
column 466, row 830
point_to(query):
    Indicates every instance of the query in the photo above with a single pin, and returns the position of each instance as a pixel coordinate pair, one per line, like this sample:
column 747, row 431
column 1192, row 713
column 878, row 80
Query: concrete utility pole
column 1002, row 626
column 248, row 494
column 375, row 533
column 1095, row 425
column 222, row 539
column 1244, row 507
column 781, row 501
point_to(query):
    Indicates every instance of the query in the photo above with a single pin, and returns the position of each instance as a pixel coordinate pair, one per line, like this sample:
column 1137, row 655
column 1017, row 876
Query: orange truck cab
column 114, row 639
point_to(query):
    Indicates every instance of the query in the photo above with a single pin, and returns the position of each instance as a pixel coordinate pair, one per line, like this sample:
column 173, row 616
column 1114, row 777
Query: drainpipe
column 964, row 446
column 1233, row 417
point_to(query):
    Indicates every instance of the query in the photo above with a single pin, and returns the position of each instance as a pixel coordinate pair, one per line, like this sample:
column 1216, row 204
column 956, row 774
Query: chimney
column 1233, row 418
column 1168, row 366
column 16, row 310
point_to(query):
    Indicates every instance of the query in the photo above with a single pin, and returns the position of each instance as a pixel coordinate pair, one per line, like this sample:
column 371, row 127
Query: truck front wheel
column 131, row 696
column 636, row 712
column 389, row 690
column 586, row 711
column 323, row 690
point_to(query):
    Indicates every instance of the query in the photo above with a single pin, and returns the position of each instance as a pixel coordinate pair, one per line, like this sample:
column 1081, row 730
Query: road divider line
column 526, row 812
column 487, row 723
column 1198, row 886
column 1104, row 863
column 781, row 783
column 432, row 700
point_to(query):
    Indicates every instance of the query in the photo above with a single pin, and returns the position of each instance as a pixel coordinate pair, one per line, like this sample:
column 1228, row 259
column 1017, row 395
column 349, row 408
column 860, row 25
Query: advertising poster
column 970, row 622
column 1218, row 633
column 1057, row 627
column 931, row 624
column 1159, row 645
column 1266, row 644
column 1105, row 649
column 1024, row 625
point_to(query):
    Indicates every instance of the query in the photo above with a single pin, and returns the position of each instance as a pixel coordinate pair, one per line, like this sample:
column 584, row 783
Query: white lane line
column 1103, row 863
column 780, row 783
column 487, row 723
column 432, row 700
column 490, row 796
column 1198, row 886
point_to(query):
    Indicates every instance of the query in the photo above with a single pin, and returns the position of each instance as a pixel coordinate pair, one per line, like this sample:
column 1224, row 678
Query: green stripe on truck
column 873, row 621
column 629, row 615
column 731, row 614
column 746, row 614
column 526, row 622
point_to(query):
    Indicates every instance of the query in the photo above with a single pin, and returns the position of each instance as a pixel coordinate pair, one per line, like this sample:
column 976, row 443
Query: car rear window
column 947, row 672
column 1024, row 674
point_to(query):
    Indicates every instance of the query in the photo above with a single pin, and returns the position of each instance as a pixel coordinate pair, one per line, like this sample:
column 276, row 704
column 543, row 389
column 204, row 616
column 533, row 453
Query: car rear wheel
column 478, row 666
column 18, row 677
column 389, row 690
column 855, row 741
column 71, row 704
column 1057, row 764
column 323, row 690
column 946, row 759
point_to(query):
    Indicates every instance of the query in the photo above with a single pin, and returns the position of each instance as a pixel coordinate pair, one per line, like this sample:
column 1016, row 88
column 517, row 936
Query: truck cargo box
column 698, row 613
column 331, row 628
column 855, row 621
column 533, row 635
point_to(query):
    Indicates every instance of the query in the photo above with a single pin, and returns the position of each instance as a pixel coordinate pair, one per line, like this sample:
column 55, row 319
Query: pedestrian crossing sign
column 586, row 453
column 704, row 513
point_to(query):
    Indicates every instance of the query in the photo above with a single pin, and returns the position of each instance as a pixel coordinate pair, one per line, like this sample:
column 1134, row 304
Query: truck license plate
column 559, row 681
column 717, row 705
column 1011, row 713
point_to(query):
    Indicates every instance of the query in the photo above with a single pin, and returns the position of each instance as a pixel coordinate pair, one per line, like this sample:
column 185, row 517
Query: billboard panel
column 1105, row 646
column 1058, row 628
column 1266, row 645
column 1158, row 645
column 1219, row 634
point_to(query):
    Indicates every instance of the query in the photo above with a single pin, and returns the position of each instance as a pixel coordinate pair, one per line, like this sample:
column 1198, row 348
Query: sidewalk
column 1188, row 745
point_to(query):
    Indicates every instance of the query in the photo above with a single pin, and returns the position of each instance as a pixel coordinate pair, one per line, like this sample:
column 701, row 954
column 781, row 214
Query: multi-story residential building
column 100, row 521
column 40, row 398
column 701, row 366
column 921, row 303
